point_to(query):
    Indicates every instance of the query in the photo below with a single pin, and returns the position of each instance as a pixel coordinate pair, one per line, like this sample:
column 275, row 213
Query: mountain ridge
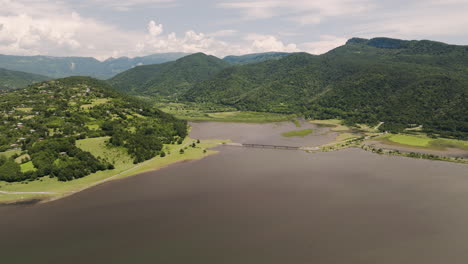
column 61, row 67
column 17, row 79
column 168, row 79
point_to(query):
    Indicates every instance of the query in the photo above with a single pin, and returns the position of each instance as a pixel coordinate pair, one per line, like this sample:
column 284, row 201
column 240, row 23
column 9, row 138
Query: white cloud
column 265, row 43
column 192, row 42
column 325, row 44
column 155, row 29
column 32, row 27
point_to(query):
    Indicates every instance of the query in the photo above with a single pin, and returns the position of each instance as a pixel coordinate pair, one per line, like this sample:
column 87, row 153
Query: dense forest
column 15, row 79
column 168, row 80
column 401, row 83
column 255, row 58
column 44, row 120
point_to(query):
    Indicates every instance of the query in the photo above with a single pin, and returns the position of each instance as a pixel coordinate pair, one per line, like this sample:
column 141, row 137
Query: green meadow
column 298, row 133
column 214, row 113
column 423, row 141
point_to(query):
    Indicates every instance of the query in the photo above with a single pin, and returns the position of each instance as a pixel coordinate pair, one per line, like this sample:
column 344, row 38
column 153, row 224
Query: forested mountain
column 169, row 79
column 256, row 57
column 58, row 67
column 398, row 82
column 122, row 64
column 44, row 120
column 15, row 79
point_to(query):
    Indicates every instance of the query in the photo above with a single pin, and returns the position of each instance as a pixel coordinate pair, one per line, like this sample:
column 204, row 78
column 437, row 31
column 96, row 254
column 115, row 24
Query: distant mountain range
column 16, row 79
column 58, row 67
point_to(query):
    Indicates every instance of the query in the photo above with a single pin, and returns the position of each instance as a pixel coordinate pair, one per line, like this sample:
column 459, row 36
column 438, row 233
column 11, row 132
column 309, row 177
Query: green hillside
column 256, row 57
column 15, row 79
column 169, row 79
column 59, row 67
column 42, row 123
column 401, row 83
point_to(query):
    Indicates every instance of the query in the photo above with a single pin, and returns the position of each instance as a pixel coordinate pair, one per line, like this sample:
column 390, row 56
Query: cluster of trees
column 10, row 171
column 147, row 138
column 59, row 157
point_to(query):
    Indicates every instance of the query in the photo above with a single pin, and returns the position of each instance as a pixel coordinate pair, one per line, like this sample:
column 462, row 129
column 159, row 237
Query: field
column 51, row 188
column 28, row 166
column 10, row 153
column 298, row 133
column 336, row 124
column 216, row 113
column 423, row 141
column 96, row 102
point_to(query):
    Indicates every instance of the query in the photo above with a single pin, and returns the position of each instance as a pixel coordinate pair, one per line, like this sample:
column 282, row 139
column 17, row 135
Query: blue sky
column 105, row 28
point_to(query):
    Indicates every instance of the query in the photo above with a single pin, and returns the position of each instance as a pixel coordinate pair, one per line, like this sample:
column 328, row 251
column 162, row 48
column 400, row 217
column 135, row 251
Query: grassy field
column 298, row 133
column 423, row 141
column 51, row 188
column 28, row 166
column 193, row 112
column 94, row 103
column 10, row 153
column 336, row 124
column 297, row 123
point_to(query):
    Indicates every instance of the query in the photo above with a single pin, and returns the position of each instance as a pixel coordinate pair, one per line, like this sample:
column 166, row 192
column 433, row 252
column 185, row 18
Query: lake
column 254, row 206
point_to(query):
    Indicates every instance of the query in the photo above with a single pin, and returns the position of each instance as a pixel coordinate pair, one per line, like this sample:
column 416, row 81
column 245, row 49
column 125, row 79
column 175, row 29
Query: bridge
column 270, row 146
column 248, row 145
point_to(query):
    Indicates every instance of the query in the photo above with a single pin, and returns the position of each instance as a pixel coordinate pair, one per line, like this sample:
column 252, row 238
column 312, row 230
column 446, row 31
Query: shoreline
column 203, row 150
column 52, row 189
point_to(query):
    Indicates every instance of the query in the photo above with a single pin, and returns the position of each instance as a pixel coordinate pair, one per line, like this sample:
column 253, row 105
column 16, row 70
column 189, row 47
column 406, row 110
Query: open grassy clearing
column 28, row 166
column 423, row 141
column 336, row 124
column 298, row 133
column 94, row 103
column 297, row 123
column 124, row 167
column 25, row 109
column 10, row 153
column 216, row 113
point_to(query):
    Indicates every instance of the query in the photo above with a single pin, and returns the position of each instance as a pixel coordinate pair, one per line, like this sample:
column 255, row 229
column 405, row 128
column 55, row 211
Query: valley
column 63, row 136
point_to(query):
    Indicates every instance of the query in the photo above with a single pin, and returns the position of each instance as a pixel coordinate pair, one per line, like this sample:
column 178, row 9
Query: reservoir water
column 255, row 206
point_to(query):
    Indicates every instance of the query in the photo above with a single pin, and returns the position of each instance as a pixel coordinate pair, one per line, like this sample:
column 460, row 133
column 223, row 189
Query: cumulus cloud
column 191, row 42
column 32, row 27
column 325, row 44
column 263, row 43
column 155, row 29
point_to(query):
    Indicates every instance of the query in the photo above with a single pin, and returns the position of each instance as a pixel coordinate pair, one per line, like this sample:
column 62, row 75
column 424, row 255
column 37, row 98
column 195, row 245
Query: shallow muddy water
column 255, row 206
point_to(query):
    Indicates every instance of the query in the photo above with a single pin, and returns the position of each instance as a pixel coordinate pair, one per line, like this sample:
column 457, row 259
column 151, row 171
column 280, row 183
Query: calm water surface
column 255, row 206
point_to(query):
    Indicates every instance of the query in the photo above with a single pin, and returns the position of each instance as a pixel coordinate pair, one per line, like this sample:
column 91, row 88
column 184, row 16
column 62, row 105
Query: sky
column 114, row 28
